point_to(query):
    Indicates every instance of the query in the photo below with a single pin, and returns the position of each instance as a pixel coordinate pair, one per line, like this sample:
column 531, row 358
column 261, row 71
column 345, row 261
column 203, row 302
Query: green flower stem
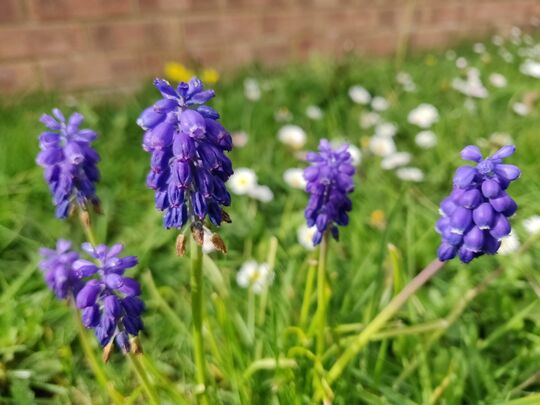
column 95, row 364
column 321, row 295
column 308, row 292
column 197, row 313
column 380, row 320
column 143, row 379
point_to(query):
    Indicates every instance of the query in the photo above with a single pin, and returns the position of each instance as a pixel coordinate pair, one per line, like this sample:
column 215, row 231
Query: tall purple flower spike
column 69, row 161
column 329, row 181
column 110, row 302
column 57, row 266
column 189, row 167
column 474, row 217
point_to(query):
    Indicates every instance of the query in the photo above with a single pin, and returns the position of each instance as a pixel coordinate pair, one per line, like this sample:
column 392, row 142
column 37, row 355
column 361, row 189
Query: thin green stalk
column 95, row 365
column 197, row 313
column 380, row 320
column 308, row 292
column 321, row 295
column 251, row 313
column 144, row 380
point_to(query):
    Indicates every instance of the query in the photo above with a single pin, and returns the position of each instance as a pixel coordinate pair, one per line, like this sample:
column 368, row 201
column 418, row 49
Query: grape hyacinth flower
column 474, row 217
column 188, row 165
column 57, row 265
column 329, row 180
column 69, row 161
column 110, row 302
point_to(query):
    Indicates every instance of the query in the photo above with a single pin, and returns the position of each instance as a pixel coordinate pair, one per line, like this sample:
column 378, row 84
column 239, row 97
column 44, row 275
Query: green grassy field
column 456, row 341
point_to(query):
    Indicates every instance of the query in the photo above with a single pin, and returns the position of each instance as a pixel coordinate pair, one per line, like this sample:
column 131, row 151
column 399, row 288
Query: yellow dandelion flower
column 209, row 76
column 177, row 72
column 377, row 219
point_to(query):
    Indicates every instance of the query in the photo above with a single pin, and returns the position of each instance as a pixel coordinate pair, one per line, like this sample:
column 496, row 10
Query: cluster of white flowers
column 244, row 182
column 256, row 276
column 292, row 136
column 472, row 86
column 369, row 119
column 406, row 81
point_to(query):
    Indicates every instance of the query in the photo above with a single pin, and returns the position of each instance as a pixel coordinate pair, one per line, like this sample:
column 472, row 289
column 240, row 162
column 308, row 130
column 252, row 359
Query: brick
column 88, row 71
column 139, row 35
column 17, row 77
column 63, row 9
column 9, row 11
column 35, row 42
column 163, row 5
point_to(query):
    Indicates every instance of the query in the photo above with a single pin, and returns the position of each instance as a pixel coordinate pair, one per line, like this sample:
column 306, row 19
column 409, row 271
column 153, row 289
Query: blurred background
column 72, row 45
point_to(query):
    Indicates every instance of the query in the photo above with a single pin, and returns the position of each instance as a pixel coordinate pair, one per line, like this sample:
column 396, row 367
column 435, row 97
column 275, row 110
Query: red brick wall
column 82, row 44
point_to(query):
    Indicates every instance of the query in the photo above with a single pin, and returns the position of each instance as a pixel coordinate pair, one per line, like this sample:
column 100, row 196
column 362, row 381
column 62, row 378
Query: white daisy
column 305, row 236
column 501, row 139
column 254, row 275
column 479, row 48
column 240, row 139
column 283, row 115
column 379, row 103
column 395, row 160
column 450, row 54
column 509, row 244
column 472, row 86
column 426, row 139
column 243, row 181
column 382, row 145
column 252, row 91
column 293, row 136
column 261, row 193
column 530, row 68
column 410, row 174
column 532, row 225
column 369, row 119
column 521, row 109
column 359, row 95
column 356, row 154
column 461, row 62
column 295, row 178
column 498, row 80
column 424, row 116
column 497, row 40
column 314, row 112
column 386, row 129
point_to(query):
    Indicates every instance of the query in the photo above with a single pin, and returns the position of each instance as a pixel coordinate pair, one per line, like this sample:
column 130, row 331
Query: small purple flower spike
column 474, row 217
column 189, row 167
column 329, row 180
column 69, row 161
column 110, row 303
column 57, row 266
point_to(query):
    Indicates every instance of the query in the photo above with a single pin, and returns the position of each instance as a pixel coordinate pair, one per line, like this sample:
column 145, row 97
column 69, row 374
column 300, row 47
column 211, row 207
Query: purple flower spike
column 110, row 302
column 69, row 162
column 57, row 266
column 329, row 180
column 474, row 217
column 189, row 167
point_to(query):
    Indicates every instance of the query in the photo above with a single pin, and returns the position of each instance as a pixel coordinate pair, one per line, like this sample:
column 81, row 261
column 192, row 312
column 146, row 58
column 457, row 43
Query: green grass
column 489, row 355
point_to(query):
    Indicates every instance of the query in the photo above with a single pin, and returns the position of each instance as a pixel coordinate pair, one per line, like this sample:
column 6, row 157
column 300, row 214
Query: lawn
column 469, row 336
